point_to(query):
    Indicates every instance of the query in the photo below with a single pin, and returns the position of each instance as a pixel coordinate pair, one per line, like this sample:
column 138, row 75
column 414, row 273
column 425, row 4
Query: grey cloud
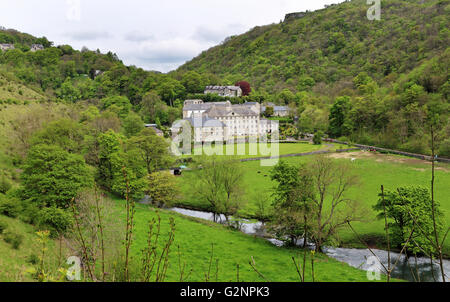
column 136, row 36
column 215, row 35
column 89, row 35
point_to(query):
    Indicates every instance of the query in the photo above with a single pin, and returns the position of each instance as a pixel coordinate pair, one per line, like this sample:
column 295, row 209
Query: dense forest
column 372, row 82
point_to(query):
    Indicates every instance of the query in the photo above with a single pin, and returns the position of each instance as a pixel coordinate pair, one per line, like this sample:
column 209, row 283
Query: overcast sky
column 155, row 35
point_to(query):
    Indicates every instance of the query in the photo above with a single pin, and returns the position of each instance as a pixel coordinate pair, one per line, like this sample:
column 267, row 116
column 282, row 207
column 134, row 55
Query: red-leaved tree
column 245, row 86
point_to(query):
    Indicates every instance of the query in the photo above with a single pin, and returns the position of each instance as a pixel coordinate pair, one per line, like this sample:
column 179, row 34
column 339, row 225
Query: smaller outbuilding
column 36, row 47
column 155, row 127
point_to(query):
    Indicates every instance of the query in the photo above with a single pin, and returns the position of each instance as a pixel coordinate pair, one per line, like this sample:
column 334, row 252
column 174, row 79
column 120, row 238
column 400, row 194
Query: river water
column 363, row 259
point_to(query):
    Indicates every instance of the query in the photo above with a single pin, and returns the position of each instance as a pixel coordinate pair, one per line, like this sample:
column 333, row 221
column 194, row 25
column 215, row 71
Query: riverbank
column 373, row 169
column 412, row 269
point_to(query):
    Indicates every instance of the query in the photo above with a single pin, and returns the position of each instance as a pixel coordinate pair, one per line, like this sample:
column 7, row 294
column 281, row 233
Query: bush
column 9, row 206
column 3, row 226
column 5, row 185
column 33, row 259
column 317, row 139
column 54, row 219
column 14, row 239
column 418, row 146
column 444, row 149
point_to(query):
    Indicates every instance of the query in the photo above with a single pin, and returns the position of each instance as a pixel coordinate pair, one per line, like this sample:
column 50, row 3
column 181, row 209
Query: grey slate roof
column 222, row 87
column 276, row 108
column 205, row 122
column 203, row 106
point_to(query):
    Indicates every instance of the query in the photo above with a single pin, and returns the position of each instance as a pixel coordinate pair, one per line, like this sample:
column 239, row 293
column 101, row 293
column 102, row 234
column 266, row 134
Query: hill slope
column 332, row 45
column 383, row 77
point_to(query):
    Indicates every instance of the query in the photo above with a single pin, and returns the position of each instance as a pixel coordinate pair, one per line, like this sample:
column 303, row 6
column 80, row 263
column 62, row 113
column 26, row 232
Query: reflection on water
column 406, row 270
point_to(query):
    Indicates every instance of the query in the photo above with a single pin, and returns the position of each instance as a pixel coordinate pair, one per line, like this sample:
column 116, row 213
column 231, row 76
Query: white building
column 225, row 91
column 222, row 121
column 5, row 47
column 279, row 111
column 36, row 47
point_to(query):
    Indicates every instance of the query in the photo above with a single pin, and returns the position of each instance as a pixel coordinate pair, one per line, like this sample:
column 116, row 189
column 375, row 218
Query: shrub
column 14, row 239
column 33, row 259
column 3, row 226
column 54, row 219
column 30, row 213
column 5, row 185
column 444, row 149
column 317, row 139
column 9, row 206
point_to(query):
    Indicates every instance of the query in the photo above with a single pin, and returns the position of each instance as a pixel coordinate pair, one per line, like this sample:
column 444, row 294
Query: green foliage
column 132, row 124
column 317, row 139
column 113, row 160
column 193, row 82
column 292, row 198
column 5, row 185
column 53, row 176
column 3, row 226
column 151, row 150
column 269, row 111
column 9, row 206
column 444, row 149
column 118, row 104
column 410, row 210
column 162, row 189
column 338, row 117
column 14, row 239
column 56, row 220
column 65, row 133
column 219, row 184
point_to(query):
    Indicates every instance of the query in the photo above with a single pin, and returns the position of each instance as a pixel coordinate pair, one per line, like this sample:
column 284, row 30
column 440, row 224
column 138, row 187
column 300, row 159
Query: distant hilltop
column 293, row 16
column 299, row 15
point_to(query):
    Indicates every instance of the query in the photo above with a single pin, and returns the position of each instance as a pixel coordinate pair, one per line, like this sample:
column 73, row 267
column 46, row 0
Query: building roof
column 276, row 108
column 154, row 127
column 223, row 87
column 205, row 122
column 242, row 110
column 204, row 106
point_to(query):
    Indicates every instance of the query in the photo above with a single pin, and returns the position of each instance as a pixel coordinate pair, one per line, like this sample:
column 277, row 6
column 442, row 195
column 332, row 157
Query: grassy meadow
column 254, row 150
column 374, row 170
column 16, row 263
column 196, row 237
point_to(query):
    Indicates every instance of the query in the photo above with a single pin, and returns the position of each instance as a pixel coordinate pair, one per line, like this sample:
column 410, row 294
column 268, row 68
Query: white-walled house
column 221, row 121
column 225, row 91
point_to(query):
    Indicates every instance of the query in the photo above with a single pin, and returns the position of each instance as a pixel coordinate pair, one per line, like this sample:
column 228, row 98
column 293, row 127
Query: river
column 358, row 258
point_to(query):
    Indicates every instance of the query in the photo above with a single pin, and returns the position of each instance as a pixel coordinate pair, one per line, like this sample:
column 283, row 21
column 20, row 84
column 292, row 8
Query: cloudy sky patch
column 152, row 34
column 89, row 35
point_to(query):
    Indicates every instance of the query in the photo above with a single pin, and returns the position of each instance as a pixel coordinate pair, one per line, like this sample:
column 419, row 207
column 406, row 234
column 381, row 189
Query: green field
column 374, row 170
column 195, row 238
column 253, row 150
column 14, row 90
column 231, row 247
column 15, row 263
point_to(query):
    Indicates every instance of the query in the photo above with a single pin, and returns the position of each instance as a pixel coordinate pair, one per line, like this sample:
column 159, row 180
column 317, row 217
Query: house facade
column 222, row 121
column 279, row 111
column 225, row 91
column 5, row 47
column 155, row 128
column 36, row 47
